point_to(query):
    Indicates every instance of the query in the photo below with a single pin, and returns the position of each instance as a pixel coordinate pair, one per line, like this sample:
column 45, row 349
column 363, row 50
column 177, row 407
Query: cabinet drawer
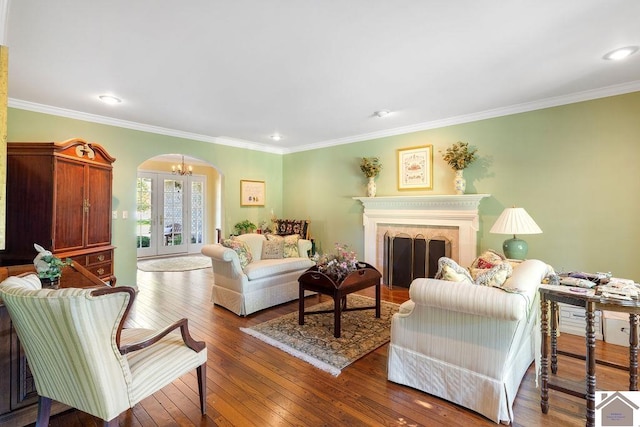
column 101, row 270
column 99, row 257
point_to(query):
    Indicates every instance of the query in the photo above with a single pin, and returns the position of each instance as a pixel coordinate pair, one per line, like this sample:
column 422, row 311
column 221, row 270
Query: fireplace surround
column 454, row 215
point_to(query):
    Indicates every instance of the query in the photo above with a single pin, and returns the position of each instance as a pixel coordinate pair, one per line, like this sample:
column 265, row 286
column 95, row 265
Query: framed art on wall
column 252, row 193
column 415, row 168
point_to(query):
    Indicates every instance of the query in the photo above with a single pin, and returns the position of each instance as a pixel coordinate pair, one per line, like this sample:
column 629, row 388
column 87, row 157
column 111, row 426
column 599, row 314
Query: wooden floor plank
column 252, row 383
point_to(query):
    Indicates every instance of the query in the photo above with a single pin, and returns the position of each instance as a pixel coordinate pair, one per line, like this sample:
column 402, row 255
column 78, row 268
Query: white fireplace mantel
column 447, row 210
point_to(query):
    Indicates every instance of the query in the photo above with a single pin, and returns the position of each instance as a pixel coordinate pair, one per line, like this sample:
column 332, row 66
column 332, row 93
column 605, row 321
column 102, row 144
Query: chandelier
column 181, row 169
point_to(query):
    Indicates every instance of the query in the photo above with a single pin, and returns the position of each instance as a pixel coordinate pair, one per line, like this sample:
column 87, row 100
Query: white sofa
column 262, row 283
column 466, row 343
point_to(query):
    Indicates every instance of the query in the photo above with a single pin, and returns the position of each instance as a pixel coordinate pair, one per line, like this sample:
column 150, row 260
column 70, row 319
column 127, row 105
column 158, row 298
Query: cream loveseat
column 246, row 287
column 466, row 343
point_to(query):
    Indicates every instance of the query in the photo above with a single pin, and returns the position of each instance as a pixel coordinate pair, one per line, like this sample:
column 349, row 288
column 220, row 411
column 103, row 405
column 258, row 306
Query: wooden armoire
column 59, row 196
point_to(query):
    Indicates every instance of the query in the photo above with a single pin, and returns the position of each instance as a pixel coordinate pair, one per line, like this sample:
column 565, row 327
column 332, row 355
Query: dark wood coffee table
column 313, row 280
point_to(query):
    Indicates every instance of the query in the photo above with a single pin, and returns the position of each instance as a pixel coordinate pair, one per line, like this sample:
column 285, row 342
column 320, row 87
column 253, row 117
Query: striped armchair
column 80, row 355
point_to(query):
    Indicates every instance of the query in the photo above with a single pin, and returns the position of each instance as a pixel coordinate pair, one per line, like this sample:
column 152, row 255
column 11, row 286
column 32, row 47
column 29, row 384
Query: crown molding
column 95, row 118
column 588, row 95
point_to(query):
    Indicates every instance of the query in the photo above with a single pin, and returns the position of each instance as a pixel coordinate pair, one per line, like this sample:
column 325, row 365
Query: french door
column 170, row 214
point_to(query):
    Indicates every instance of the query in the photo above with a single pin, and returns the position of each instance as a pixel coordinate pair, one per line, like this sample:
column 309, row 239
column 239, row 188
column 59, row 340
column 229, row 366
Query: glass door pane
column 173, row 218
column 197, row 214
column 145, row 240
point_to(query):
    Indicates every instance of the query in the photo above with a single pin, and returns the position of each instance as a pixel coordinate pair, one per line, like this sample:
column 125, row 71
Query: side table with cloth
column 466, row 343
column 552, row 295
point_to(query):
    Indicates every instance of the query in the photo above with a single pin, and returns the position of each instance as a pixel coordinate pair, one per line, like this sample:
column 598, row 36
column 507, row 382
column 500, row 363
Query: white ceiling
column 236, row 72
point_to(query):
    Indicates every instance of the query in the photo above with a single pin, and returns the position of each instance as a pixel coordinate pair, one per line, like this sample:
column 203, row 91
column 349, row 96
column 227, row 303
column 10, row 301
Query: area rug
column 314, row 342
column 180, row 263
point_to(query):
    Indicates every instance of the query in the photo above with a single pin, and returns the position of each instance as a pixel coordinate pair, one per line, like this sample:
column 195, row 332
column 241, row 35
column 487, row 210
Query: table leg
column 591, row 363
column 554, row 337
column 544, row 359
column 301, row 306
column 633, row 352
column 378, row 300
column 337, row 302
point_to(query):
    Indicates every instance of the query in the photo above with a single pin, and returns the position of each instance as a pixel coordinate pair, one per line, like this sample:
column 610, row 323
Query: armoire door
column 98, row 212
column 69, row 203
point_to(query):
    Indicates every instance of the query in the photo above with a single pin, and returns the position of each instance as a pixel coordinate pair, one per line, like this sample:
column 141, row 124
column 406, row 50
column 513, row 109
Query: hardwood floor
column 252, row 383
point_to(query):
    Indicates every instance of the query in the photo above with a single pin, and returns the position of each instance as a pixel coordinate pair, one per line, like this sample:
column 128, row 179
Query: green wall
column 132, row 147
column 571, row 167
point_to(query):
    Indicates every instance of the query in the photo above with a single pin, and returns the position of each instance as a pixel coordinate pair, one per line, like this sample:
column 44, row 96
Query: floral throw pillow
column 241, row 248
column 291, row 246
column 449, row 270
column 488, row 259
column 285, row 227
column 273, row 247
column 495, row 276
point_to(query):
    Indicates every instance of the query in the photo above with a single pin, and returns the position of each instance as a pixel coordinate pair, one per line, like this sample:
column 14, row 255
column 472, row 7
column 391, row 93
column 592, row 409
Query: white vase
column 459, row 183
column 371, row 187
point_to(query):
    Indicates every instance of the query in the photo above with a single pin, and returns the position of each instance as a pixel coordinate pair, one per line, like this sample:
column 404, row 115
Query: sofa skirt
column 487, row 396
column 264, row 296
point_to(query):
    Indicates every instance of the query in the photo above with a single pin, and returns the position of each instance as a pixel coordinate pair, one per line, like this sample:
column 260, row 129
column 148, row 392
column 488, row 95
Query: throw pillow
column 285, row 227
column 241, row 248
column 495, row 276
column 273, row 247
column 449, row 270
column 291, row 246
column 488, row 259
column 485, row 262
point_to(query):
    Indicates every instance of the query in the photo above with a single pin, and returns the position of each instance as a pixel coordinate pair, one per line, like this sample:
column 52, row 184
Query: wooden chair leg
column 44, row 411
column 202, row 387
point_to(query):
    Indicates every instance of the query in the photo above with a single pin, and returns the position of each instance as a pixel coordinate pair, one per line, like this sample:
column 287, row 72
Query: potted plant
column 371, row 167
column 459, row 157
column 244, row 227
column 49, row 267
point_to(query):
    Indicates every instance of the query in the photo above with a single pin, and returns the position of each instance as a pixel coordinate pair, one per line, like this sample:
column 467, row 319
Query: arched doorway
column 178, row 205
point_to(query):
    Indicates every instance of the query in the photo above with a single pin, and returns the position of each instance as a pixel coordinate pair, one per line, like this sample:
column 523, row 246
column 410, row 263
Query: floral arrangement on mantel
column 47, row 265
column 370, row 166
column 337, row 265
column 459, row 156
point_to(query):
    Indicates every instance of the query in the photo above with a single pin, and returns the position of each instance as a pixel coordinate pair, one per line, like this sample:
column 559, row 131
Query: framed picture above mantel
column 415, row 168
column 252, row 193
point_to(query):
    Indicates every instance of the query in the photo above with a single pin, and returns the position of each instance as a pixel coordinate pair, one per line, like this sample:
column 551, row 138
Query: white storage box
column 573, row 321
column 616, row 327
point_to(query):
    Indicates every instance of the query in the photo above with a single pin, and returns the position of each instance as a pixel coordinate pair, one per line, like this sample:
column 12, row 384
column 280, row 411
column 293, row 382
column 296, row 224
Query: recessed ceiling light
column 276, row 137
column 382, row 113
column 621, row 53
column 109, row 99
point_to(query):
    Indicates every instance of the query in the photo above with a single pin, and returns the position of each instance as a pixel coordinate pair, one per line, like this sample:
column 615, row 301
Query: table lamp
column 515, row 221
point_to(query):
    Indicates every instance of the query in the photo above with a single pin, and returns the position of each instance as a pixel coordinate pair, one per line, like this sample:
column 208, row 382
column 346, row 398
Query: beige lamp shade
column 515, row 221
